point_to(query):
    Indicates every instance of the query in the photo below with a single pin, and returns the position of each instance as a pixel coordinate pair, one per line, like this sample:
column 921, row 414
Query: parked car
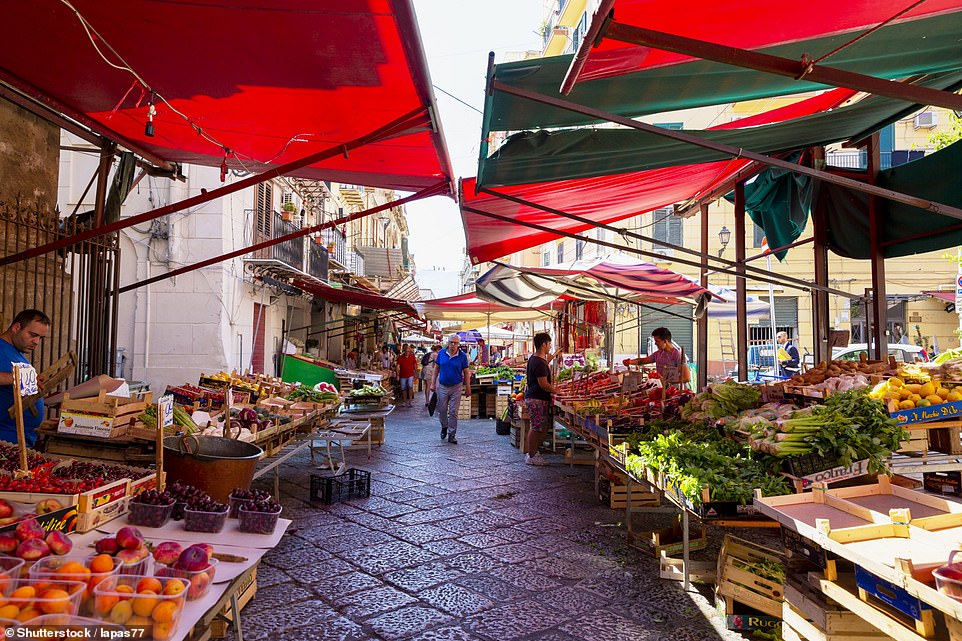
column 902, row 352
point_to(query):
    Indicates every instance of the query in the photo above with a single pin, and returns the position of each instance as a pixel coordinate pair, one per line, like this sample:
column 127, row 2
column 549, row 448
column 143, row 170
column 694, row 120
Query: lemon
column 906, row 405
column 915, row 388
column 895, row 381
column 915, row 398
column 922, row 403
column 927, row 390
column 942, row 393
column 934, row 399
column 953, row 396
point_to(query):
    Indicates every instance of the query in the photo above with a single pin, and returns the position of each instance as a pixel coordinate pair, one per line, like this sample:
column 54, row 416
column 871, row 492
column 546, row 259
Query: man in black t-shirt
column 537, row 396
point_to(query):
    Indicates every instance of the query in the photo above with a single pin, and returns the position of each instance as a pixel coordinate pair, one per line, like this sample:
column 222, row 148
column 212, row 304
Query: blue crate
column 890, row 594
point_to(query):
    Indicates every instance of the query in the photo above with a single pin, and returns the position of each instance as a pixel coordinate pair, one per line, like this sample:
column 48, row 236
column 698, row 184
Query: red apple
column 199, row 584
column 33, row 549
column 5, row 509
column 208, row 547
column 30, row 529
column 58, row 542
column 47, row 506
column 107, row 545
column 168, row 552
column 129, row 537
column 194, row 559
column 8, row 543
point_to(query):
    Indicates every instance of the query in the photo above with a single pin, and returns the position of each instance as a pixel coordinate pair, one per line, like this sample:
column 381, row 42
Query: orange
column 144, row 603
column 174, row 587
column 9, row 612
column 164, row 612
column 150, row 584
column 102, row 563
column 24, row 592
column 28, row 613
column 55, row 601
column 121, row 613
column 72, row 567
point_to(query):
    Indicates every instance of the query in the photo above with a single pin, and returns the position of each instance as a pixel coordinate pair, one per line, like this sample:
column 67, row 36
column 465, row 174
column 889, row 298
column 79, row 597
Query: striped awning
column 612, row 278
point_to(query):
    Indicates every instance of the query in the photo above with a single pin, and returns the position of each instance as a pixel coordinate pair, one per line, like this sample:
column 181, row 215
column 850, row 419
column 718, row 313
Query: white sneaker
column 537, row 459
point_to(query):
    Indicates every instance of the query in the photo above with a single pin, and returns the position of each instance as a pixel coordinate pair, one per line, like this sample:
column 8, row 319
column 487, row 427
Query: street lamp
column 724, row 237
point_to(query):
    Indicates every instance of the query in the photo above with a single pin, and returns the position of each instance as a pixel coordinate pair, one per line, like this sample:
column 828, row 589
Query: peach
column 129, row 537
column 58, row 542
column 47, row 506
column 6, row 509
column 8, row 543
column 107, row 545
column 33, row 549
column 168, row 552
column 30, row 529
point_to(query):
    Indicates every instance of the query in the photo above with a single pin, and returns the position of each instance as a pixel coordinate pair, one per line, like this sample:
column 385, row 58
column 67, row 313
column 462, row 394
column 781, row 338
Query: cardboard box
column 96, row 425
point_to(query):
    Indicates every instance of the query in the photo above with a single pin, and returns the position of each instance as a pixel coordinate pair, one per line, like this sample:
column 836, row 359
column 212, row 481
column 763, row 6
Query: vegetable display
column 500, row 372
column 720, row 400
column 320, row 393
column 368, row 390
column 181, row 420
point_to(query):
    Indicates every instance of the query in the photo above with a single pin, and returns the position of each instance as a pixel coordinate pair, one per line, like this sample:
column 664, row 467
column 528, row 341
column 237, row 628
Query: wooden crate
column 739, row 616
column 668, row 542
column 100, row 417
column 220, row 626
column 890, row 598
column 673, row 569
column 947, row 440
column 737, row 582
column 813, row 616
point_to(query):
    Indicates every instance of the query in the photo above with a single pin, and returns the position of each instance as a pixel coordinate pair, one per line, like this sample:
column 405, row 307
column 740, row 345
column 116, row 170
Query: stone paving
column 461, row 543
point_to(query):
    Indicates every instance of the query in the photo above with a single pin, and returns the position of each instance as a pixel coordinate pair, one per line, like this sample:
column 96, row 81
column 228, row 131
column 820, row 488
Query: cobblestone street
column 465, row 542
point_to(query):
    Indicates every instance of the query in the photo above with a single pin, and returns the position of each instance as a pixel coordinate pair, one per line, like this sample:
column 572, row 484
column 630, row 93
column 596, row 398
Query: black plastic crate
column 806, row 464
column 352, row 484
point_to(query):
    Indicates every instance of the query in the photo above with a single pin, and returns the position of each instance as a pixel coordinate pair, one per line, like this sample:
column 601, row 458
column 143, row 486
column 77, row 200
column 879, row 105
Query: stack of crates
column 501, row 400
column 464, row 407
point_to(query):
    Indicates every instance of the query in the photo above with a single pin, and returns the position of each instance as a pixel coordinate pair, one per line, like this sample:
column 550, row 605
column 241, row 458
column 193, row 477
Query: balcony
column 336, row 243
column 297, row 255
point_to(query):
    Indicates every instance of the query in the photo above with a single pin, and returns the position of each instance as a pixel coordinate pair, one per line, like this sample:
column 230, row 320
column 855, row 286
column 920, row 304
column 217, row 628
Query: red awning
column 745, row 24
column 261, row 83
column 605, row 199
column 352, row 296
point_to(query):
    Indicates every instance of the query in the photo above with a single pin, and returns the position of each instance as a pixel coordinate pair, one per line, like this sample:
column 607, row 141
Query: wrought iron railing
column 290, row 252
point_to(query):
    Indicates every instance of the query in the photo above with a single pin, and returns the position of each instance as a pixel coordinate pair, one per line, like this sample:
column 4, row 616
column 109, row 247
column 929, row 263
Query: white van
column 902, row 352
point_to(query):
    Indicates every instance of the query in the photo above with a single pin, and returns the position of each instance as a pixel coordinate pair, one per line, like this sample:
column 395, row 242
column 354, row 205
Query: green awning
column 544, row 156
column 899, row 50
column 934, row 177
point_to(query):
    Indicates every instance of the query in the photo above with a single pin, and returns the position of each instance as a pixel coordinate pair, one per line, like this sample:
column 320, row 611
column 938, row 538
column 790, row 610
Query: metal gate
column 76, row 287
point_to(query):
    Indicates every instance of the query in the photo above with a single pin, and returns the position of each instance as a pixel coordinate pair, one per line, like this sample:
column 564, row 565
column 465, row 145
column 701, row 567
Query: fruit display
column 239, row 496
column 205, row 515
column 150, row 508
column 156, row 603
column 128, row 549
column 258, row 517
column 35, row 597
column 184, row 494
column 195, row 565
column 948, row 578
column 70, row 626
column 236, row 382
column 907, row 395
column 29, row 541
column 89, row 570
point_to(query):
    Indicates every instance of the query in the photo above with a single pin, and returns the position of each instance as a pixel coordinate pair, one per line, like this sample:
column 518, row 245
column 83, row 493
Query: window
column 758, row 236
column 669, row 125
column 580, row 248
column 561, row 252
column 666, row 227
column 263, row 210
column 545, row 257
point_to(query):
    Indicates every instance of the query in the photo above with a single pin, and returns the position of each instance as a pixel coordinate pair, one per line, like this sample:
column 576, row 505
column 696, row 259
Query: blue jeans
column 449, row 397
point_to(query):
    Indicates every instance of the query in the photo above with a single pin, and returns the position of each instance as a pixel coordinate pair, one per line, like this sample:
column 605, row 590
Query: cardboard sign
column 570, row 360
column 165, row 411
column 28, row 380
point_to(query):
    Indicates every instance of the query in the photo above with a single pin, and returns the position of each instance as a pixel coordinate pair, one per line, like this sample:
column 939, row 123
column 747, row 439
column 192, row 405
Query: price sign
column 28, row 380
column 958, row 294
column 165, row 411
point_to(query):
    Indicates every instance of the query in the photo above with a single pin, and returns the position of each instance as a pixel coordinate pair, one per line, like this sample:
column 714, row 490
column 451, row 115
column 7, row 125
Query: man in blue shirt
column 451, row 378
column 23, row 336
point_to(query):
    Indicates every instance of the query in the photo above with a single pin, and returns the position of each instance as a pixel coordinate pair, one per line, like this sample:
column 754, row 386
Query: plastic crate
column 353, row 483
column 805, row 464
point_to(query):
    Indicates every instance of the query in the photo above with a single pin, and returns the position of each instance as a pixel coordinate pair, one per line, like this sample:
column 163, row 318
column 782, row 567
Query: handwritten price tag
column 27, row 380
column 165, row 411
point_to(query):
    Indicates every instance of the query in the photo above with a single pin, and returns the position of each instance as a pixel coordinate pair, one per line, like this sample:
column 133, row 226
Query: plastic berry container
column 149, row 515
column 236, row 502
column 253, row 522
column 11, row 569
column 200, row 521
column 70, row 626
column 199, row 580
column 36, row 597
column 134, row 600
column 73, row 568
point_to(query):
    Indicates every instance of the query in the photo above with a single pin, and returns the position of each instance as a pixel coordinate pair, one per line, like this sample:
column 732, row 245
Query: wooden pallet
column 737, row 582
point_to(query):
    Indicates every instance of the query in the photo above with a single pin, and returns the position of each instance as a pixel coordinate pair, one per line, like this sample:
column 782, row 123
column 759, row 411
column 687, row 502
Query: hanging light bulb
column 151, row 112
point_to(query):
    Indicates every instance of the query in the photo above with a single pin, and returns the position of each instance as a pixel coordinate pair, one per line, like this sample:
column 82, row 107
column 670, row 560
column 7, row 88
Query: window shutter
column 675, row 225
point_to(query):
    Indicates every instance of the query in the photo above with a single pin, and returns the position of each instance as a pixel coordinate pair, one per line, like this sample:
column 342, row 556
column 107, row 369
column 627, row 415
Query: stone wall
column 29, row 156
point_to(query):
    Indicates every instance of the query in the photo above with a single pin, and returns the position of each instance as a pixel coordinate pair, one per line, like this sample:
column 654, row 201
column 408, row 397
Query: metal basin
column 214, row 464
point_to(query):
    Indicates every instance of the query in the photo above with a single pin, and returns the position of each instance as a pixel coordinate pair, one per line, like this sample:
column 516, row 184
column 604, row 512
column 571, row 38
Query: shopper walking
column 451, row 379
column 427, row 371
column 537, row 396
column 406, row 366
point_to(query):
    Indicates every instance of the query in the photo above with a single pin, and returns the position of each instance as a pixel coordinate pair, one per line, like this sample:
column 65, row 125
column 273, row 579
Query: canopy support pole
column 914, row 201
column 103, row 173
column 820, row 303
column 876, row 231
column 424, row 193
column 797, row 69
column 741, row 288
column 387, row 131
column 701, row 358
column 756, row 272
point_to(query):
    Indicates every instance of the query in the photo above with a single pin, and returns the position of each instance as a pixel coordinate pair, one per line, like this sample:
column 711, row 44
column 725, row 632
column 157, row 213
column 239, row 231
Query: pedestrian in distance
column 406, row 366
column 28, row 328
column 452, row 378
column 788, row 358
column 427, row 371
column 537, row 396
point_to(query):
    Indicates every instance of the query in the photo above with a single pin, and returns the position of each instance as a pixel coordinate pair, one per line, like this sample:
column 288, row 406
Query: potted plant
column 287, row 211
column 318, row 239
